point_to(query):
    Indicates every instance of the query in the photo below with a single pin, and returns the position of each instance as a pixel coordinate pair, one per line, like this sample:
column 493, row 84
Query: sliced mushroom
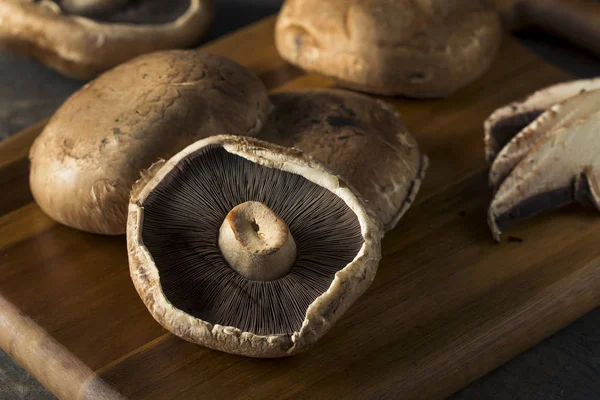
column 63, row 35
column 414, row 48
column 561, row 114
column 506, row 122
column 562, row 165
column 359, row 138
column 93, row 149
column 210, row 237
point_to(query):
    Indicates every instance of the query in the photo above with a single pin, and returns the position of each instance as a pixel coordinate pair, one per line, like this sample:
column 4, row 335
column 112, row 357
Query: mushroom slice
column 419, row 48
column 247, row 247
column 562, row 114
column 506, row 122
column 82, row 38
column 86, row 160
column 562, row 167
column 358, row 138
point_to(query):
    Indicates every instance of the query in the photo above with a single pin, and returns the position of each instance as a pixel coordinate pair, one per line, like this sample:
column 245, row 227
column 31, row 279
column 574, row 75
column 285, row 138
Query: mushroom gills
column 129, row 11
column 504, row 130
column 562, row 167
column 579, row 190
column 535, row 205
column 182, row 218
column 506, row 122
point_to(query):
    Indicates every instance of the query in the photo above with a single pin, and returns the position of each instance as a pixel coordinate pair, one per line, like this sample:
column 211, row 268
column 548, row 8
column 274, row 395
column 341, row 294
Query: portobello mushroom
column 419, row 48
column 247, row 247
column 82, row 38
column 88, row 156
column 560, row 164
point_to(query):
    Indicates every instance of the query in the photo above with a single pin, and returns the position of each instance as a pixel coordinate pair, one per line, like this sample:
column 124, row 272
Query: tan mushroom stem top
column 256, row 243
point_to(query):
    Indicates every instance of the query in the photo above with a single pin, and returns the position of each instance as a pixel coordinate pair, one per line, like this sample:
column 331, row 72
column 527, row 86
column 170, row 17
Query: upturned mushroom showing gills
column 504, row 123
column 416, row 48
column 88, row 156
column 247, row 247
column 359, row 138
column 556, row 162
column 82, row 38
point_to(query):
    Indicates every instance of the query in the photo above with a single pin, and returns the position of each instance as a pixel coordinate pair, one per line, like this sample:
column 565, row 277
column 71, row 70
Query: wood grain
column 447, row 305
column 48, row 360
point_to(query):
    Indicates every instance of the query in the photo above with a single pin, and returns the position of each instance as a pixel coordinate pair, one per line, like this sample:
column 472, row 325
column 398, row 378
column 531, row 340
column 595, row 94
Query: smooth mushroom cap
column 182, row 277
column 359, row 138
column 85, row 161
column 506, row 122
column 561, row 167
column 81, row 47
column 423, row 48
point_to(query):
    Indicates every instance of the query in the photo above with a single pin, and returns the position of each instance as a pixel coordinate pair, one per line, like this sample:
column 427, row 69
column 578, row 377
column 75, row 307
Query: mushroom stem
column 256, row 243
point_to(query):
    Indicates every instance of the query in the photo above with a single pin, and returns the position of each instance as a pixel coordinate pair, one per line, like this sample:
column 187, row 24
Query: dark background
column 565, row 366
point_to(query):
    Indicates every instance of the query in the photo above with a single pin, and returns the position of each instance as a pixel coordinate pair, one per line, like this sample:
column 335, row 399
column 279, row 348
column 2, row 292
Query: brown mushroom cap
column 179, row 269
column 82, row 47
column 85, row 161
column 559, row 167
column 414, row 48
column 359, row 138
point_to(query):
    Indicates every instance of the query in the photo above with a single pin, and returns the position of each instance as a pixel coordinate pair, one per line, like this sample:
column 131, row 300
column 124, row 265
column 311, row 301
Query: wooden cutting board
column 447, row 305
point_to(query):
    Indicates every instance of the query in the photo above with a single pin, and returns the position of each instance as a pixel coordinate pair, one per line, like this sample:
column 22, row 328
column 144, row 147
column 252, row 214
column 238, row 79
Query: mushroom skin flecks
column 256, row 243
column 506, row 122
column 82, row 38
column 416, row 48
column 551, row 163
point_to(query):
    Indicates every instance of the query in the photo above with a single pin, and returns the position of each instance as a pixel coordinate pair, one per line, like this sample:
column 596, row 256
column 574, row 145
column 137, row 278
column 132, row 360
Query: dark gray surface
column 565, row 366
column 17, row 384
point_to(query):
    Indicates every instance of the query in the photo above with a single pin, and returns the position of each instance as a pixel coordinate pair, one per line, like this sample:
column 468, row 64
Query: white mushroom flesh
column 506, row 122
column 563, row 166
